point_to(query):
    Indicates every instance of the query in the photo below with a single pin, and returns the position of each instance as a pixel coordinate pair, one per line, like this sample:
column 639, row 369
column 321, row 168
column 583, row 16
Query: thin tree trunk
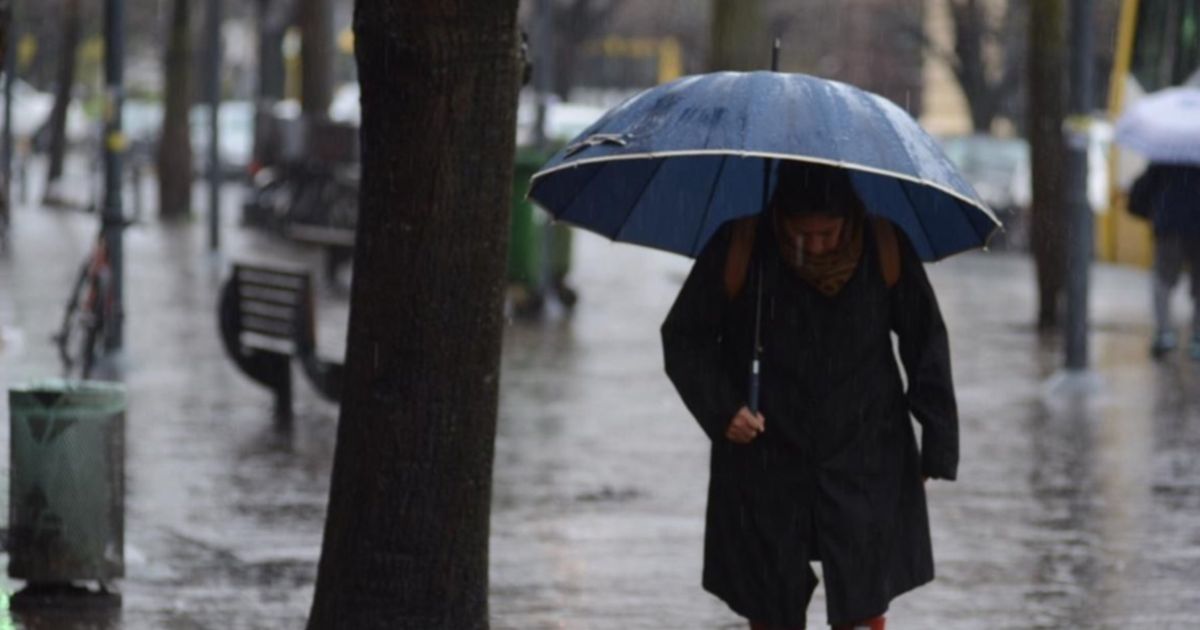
column 6, row 11
column 1047, row 102
column 316, row 57
column 62, row 95
column 270, row 49
column 175, row 144
column 738, row 36
column 406, row 534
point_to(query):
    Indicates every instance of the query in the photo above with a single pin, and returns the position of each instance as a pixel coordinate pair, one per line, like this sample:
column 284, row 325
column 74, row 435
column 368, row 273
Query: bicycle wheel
column 94, row 317
column 66, row 337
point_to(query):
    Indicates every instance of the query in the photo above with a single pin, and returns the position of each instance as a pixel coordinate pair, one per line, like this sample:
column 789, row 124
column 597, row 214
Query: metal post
column 1079, row 235
column 114, row 145
column 214, row 137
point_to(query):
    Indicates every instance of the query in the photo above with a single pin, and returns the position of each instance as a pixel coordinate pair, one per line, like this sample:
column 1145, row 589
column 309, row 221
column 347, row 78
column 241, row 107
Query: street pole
column 113, row 217
column 214, row 137
column 1079, row 233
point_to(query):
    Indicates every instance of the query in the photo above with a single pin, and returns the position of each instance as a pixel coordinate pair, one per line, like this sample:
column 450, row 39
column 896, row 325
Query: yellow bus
column 1158, row 46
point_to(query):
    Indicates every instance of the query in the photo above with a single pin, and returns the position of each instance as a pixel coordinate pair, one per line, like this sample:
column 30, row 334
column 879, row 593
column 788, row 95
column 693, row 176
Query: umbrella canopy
column 669, row 166
column 1163, row 126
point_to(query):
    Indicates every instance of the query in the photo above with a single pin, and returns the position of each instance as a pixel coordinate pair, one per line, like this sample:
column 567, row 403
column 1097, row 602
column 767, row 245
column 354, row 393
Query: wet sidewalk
column 1069, row 512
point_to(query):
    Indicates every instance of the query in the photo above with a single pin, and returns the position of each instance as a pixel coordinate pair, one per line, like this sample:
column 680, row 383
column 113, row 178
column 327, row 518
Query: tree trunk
column 316, row 57
column 6, row 11
column 175, row 144
column 62, row 94
column 1047, row 101
column 406, row 533
column 271, row 29
column 738, row 36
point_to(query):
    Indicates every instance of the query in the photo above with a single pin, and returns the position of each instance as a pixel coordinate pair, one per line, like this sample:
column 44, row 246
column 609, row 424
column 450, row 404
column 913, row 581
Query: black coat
column 1168, row 195
column 836, row 476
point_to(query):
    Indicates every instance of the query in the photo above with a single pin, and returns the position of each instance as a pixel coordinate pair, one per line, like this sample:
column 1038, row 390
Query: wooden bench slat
column 256, row 341
column 282, row 283
column 271, row 296
column 271, row 327
column 286, row 313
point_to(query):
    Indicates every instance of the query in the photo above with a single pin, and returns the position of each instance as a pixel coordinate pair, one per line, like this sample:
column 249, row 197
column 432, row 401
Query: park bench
column 267, row 317
column 337, row 243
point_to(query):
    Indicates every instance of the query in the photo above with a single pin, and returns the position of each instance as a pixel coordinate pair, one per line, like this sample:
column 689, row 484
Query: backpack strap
column 889, row 250
column 737, row 258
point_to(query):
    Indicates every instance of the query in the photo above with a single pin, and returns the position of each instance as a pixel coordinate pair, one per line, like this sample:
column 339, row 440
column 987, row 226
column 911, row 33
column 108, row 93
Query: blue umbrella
column 668, row 166
column 672, row 164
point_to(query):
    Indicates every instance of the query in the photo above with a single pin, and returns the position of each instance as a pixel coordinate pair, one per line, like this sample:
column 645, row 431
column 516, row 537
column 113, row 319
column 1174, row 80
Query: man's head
column 812, row 204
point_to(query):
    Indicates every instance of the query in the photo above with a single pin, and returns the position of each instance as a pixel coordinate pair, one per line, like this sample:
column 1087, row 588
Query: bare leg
column 1191, row 245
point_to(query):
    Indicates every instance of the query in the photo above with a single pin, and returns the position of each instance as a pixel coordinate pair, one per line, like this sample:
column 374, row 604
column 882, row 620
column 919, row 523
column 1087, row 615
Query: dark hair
column 805, row 188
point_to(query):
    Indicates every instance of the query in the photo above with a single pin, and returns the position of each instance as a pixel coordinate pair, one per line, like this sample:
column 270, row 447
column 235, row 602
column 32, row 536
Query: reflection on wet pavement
column 1071, row 511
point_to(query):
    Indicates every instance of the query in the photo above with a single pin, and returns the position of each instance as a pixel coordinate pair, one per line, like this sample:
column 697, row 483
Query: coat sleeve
column 925, row 353
column 692, row 335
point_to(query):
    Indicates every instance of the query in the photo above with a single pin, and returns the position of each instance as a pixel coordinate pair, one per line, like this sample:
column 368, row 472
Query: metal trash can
column 67, row 481
column 539, row 252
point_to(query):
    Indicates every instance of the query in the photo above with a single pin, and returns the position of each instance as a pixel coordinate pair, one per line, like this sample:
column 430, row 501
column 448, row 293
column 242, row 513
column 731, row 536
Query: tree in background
column 315, row 18
column 576, row 22
column 1047, row 103
column 175, row 144
column 5, row 21
column 406, row 533
column 738, row 35
column 63, row 88
column 986, row 56
column 272, row 17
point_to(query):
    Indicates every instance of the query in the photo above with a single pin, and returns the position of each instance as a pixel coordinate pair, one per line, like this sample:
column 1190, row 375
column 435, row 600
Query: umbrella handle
column 752, row 402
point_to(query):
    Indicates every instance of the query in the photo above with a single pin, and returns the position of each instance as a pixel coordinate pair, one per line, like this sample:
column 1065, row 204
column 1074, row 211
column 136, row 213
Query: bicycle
column 90, row 309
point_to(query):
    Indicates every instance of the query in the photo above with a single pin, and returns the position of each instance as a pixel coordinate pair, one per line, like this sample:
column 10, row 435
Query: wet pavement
column 1071, row 510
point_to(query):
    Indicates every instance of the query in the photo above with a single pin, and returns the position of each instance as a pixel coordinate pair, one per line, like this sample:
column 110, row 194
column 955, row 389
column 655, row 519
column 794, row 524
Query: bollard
column 66, row 491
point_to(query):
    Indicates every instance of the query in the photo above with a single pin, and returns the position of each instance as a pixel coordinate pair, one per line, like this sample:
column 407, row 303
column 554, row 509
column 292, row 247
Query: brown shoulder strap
column 737, row 259
column 889, row 251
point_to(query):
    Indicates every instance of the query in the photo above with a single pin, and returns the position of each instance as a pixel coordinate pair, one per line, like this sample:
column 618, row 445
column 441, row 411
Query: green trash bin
column 524, row 236
column 532, row 238
column 67, row 481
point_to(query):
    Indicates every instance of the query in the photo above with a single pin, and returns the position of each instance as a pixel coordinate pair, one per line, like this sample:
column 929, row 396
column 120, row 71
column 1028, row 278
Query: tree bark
column 1047, row 102
column 62, row 92
column 406, row 534
column 175, row 144
column 738, row 35
column 316, row 57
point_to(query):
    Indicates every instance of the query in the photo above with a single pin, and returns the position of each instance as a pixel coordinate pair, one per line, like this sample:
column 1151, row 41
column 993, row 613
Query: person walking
column 827, row 469
column 1168, row 195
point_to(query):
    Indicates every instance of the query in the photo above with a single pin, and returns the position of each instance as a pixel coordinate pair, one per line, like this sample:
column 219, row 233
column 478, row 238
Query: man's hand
column 745, row 426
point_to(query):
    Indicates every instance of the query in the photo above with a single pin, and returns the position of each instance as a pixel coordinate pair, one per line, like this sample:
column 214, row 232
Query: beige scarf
column 830, row 271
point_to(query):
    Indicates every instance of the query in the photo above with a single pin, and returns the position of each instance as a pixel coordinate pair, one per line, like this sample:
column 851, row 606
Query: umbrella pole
column 755, row 361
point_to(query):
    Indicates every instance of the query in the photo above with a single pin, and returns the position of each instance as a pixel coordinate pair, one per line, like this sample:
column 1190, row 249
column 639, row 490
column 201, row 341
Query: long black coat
column 836, row 476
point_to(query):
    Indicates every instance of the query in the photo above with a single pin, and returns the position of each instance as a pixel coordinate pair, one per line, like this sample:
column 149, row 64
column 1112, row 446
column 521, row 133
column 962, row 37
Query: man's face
column 816, row 234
